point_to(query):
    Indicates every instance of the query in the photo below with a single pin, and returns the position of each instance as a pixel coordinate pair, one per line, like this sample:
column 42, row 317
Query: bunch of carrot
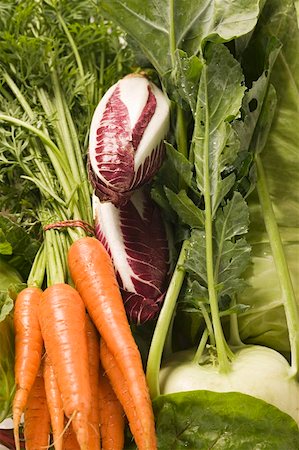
column 78, row 370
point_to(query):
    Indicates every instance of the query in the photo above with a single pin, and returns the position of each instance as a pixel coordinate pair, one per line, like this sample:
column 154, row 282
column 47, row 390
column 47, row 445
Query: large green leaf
column 265, row 322
column 162, row 26
column 205, row 420
column 215, row 144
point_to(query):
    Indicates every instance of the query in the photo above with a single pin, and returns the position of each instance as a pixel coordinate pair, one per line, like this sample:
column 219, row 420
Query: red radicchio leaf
column 7, row 439
column 126, row 138
column 114, row 152
column 135, row 237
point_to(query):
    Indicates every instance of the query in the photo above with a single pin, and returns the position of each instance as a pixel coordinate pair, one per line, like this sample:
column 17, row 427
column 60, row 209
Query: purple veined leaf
column 126, row 145
column 135, row 237
column 7, row 439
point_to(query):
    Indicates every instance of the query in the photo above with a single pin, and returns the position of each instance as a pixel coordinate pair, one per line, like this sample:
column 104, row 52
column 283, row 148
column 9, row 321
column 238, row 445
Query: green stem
column 54, row 265
column 234, row 335
column 101, row 77
column 181, row 132
column 27, row 108
column 63, row 128
column 201, row 347
column 283, row 273
column 172, row 43
column 61, row 171
column 209, row 324
column 20, row 97
column 36, row 131
column 37, row 272
column 213, row 298
column 72, row 44
column 84, row 188
column 163, row 323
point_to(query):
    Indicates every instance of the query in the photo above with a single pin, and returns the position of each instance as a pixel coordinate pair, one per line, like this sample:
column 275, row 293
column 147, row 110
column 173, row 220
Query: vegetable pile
column 149, row 202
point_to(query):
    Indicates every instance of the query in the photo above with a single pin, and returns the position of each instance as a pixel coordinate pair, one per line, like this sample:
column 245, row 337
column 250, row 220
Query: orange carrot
column 37, row 417
column 93, row 345
column 112, row 416
column 54, row 402
column 28, row 350
column 92, row 271
column 69, row 439
column 63, row 326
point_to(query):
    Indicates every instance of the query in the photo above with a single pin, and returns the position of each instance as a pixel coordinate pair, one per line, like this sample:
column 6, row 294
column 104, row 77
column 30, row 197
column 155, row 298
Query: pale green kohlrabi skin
column 257, row 371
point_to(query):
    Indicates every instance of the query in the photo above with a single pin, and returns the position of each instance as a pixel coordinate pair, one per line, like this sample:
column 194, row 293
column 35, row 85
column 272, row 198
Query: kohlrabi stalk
column 163, row 323
column 213, row 298
column 283, row 273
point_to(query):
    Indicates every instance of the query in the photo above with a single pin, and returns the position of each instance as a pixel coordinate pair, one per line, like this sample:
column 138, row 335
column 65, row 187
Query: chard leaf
column 161, row 27
column 187, row 211
column 215, row 144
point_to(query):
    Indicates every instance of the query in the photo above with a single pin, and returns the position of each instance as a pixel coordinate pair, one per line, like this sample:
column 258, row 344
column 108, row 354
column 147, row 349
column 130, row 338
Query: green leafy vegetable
column 162, row 27
column 204, row 420
column 265, row 321
column 10, row 281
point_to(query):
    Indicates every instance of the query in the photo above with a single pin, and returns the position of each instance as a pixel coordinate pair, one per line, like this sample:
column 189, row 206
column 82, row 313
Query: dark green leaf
column 181, row 164
column 206, row 420
column 195, row 262
column 232, row 254
column 185, row 208
column 182, row 82
column 24, row 246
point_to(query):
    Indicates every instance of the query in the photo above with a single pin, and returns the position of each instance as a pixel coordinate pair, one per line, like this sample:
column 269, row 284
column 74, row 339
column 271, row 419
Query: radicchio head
column 134, row 236
column 126, row 138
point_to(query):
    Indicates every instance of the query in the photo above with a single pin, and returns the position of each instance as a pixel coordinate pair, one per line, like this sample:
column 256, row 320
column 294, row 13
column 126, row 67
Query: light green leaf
column 5, row 246
column 162, row 26
column 215, row 144
column 265, row 322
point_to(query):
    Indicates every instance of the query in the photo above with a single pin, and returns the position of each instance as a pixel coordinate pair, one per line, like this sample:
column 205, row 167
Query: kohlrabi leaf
column 265, row 322
column 253, row 99
column 161, row 27
column 204, row 420
column 280, row 157
column 232, row 252
column 182, row 83
column 195, row 262
column 187, row 211
column 215, row 144
column 182, row 165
